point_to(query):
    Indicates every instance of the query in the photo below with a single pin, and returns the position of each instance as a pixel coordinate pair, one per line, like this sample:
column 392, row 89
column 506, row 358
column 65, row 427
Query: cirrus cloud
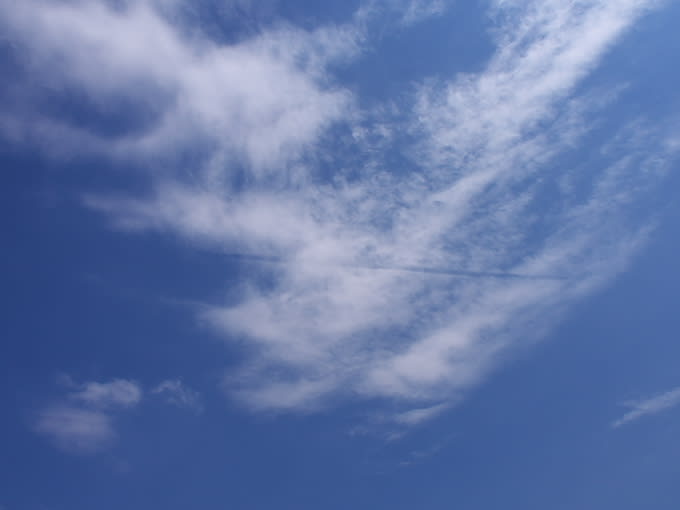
column 379, row 281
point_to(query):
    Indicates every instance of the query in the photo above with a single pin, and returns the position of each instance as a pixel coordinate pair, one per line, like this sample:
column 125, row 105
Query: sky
column 363, row 254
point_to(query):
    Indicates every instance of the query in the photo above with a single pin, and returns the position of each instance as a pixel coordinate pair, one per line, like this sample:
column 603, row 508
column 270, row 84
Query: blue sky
column 366, row 254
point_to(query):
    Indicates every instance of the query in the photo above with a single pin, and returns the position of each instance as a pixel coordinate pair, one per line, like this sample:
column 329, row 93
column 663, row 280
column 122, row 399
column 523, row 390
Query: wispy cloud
column 117, row 393
column 421, row 455
column 403, row 12
column 352, row 307
column 182, row 91
column 648, row 407
column 417, row 416
column 418, row 10
column 176, row 393
column 75, row 429
column 83, row 421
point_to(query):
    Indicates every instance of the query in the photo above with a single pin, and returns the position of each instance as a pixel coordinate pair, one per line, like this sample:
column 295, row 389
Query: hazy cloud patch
column 83, row 421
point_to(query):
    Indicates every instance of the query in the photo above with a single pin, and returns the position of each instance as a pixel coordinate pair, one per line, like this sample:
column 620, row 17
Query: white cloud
column 76, row 430
column 332, row 323
column 83, row 421
column 117, row 393
column 418, row 10
column 417, row 416
column 649, row 407
column 407, row 285
column 176, row 393
column 260, row 101
column 543, row 52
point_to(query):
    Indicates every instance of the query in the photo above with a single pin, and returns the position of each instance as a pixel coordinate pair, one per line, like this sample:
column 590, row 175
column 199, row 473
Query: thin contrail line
column 441, row 271
column 468, row 274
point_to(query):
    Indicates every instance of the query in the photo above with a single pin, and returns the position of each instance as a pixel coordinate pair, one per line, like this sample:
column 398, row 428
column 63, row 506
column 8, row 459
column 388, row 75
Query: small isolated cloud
column 176, row 393
column 76, row 429
column 648, row 407
column 117, row 393
column 83, row 421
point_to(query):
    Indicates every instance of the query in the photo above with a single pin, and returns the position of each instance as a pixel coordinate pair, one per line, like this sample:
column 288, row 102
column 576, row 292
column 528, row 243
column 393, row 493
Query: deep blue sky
column 353, row 255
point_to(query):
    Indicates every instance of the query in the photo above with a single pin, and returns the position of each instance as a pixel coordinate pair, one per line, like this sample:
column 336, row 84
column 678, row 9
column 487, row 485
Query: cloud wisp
column 354, row 304
column 83, row 422
column 179, row 92
column 117, row 393
column 176, row 393
column 648, row 407
column 76, row 430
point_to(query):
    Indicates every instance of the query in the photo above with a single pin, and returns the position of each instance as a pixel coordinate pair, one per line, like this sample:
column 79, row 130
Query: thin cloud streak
column 649, row 407
column 442, row 271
